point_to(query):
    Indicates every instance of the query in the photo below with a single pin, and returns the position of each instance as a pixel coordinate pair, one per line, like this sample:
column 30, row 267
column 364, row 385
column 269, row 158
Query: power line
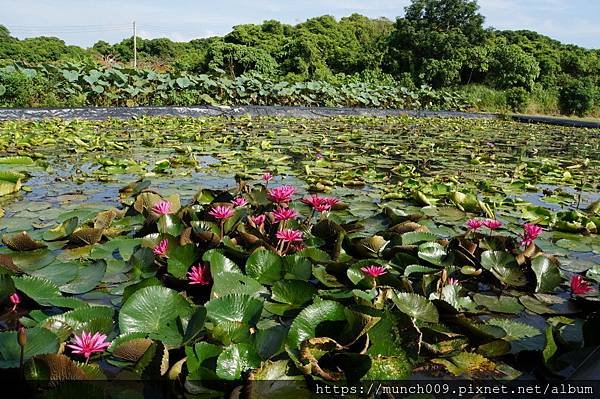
column 40, row 32
column 65, row 26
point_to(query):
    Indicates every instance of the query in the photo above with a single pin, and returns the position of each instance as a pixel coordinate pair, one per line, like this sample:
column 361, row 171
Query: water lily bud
column 22, row 336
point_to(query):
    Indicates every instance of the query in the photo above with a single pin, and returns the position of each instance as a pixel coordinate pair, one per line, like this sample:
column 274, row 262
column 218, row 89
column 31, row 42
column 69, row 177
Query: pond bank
column 306, row 112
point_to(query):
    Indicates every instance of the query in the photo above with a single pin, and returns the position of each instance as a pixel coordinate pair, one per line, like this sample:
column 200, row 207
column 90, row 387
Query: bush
column 577, row 97
column 17, row 89
column 513, row 67
column 517, row 99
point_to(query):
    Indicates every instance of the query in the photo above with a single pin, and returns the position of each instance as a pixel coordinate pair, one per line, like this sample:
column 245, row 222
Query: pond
column 406, row 187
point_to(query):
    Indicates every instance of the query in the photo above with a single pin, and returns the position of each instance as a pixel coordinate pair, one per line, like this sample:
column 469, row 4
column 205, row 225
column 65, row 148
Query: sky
column 83, row 22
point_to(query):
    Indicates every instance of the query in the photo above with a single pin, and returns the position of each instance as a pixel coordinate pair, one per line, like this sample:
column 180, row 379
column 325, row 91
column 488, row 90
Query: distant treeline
column 442, row 44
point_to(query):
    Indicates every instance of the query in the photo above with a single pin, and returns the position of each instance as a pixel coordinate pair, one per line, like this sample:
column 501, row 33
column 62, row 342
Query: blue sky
column 571, row 21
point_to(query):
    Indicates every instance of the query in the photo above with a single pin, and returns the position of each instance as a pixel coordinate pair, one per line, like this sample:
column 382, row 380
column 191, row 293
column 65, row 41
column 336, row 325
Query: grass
column 542, row 102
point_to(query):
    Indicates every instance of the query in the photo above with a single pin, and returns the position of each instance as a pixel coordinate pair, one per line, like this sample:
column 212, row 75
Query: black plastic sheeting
column 556, row 121
column 257, row 110
column 200, row 111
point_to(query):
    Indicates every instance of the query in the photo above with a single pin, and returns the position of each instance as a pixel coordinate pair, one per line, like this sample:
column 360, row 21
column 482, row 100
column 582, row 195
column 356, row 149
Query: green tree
column 236, row 59
column 432, row 41
column 513, row 67
column 448, row 15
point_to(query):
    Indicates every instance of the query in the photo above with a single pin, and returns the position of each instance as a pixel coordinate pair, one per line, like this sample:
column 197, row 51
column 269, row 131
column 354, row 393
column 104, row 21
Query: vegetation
column 439, row 44
column 76, row 85
column 473, row 260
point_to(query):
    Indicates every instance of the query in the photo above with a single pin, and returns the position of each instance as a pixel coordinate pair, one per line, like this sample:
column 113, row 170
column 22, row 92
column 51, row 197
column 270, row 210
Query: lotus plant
column 221, row 213
column 267, row 177
column 530, row 233
column 287, row 238
column 160, row 249
column 453, row 281
column 579, row 286
column 199, row 275
column 240, row 201
column 284, row 214
column 492, row 224
column 374, row 271
column 257, row 221
column 86, row 344
column 15, row 299
column 474, row 224
column 319, row 204
column 162, row 208
column 281, row 194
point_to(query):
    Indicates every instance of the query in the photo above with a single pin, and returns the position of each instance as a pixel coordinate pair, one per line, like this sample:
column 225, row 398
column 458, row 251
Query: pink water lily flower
column 283, row 214
column 579, row 285
column 257, row 220
column 267, row 177
column 240, row 201
column 492, row 224
column 86, row 344
column 298, row 247
column 161, row 248
column 221, row 212
column 320, row 204
column 289, row 235
column 474, row 224
column 162, row 208
column 200, row 275
column 314, row 201
column 281, row 194
column 15, row 299
column 331, row 201
column 530, row 233
column 453, row 281
column 374, row 270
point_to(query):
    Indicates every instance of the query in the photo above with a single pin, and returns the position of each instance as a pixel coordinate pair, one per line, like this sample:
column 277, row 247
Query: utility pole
column 134, row 47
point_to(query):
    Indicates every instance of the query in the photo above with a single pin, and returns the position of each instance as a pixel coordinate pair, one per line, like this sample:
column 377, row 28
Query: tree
column 236, row 59
column 447, row 15
column 513, row 67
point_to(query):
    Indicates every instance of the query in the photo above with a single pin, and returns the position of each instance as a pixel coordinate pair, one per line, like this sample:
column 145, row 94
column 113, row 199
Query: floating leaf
column 305, row 324
column 235, row 360
column 501, row 304
column 234, row 307
column 154, row 310
column 293, row 292
column 547, row 274
column 39, row 341
column 416, row 306
column 22, row 242
column 264, row 266
column 521, row 336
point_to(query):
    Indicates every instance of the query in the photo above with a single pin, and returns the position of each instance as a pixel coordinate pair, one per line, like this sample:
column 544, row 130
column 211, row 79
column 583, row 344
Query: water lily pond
column 379, row 248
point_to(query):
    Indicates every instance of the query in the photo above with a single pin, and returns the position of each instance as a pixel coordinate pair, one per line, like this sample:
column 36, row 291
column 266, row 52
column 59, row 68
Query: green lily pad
column 264, row 266
column 305, row 324
column 547, row 274
column 521, row 336
column 416, row 306
column 501, row 304
column 155, row 310
column 39, row 341
column 236, row 359
column 234, row 307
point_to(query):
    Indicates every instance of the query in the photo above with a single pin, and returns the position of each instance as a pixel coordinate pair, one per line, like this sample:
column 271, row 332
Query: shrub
column 577, row 97
column 17, row 89
column 513, row 67
column 517, row 99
